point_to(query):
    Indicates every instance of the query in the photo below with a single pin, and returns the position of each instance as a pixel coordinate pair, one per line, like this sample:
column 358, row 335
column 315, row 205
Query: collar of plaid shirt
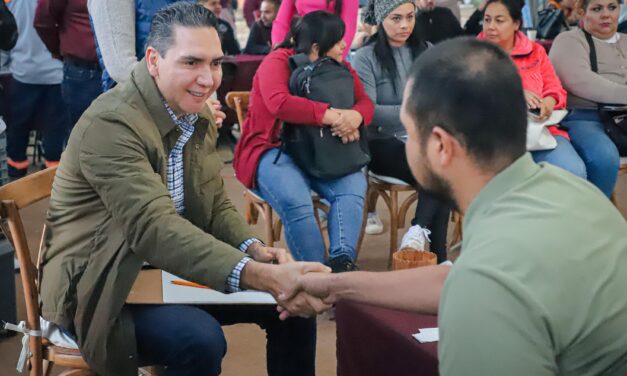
column 175, row 176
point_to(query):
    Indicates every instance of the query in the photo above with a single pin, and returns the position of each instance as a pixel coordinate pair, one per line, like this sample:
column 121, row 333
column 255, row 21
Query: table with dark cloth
column 238, row 72
column 377, row 341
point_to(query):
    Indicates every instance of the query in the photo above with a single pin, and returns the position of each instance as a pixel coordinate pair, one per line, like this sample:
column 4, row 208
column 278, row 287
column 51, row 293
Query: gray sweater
column 570, row 57
column 114, row 25
column 386, row 120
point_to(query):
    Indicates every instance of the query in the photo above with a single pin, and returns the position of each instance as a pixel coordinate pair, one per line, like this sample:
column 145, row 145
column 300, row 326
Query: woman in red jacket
column 259, row 164
column 543, row 91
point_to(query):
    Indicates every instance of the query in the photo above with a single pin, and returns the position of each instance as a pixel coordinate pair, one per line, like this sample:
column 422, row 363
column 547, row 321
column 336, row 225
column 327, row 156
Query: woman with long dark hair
column 259, row 164
column 382, row 66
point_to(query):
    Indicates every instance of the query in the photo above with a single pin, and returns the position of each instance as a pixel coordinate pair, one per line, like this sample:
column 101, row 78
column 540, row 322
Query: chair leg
column 48, row 365
column 372, row 200
column 278, row 225
column 393, row 225
column 268, row 225
column 367, row 205
column 251, row 213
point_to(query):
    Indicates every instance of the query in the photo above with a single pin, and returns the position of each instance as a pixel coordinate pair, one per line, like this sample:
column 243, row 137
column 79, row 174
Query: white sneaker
column 416, row 238
column 374, row 226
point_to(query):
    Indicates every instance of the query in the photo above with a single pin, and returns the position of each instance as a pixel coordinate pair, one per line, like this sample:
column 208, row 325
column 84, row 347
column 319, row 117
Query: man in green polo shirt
column 540, row 284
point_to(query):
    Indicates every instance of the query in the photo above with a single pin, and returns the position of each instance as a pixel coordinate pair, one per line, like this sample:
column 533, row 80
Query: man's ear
column 443, row 147
column 152, row 61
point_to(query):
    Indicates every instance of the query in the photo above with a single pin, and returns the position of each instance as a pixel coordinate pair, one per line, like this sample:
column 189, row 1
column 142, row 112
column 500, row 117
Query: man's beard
column 437, row 186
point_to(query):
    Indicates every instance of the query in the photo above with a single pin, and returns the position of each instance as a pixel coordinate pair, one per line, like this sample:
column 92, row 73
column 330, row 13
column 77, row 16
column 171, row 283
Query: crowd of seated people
column 59, row 65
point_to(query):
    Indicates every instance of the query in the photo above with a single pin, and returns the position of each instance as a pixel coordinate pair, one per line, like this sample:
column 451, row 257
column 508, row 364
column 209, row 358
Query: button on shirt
column 185, row 124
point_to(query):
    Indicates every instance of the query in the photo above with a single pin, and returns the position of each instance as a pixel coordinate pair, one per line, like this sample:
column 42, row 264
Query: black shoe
column 341, row 264
column 15, row 174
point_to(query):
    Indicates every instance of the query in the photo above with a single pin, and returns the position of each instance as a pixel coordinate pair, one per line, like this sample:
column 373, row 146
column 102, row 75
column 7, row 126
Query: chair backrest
column 14, row 197
column 238, row 101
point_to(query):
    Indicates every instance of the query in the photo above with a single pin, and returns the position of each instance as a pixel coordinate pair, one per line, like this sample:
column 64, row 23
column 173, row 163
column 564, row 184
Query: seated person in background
column 382, row 65
column 543, row 90
column 260, row 37
column 230, row 46
column 539, row 286
column 570, row 55
column 435, row 24
column 140, row 181
column 259, row 164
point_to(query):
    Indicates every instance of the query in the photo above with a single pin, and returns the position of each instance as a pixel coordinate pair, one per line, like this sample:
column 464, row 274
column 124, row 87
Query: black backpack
column 8, row 28
column 314, row 149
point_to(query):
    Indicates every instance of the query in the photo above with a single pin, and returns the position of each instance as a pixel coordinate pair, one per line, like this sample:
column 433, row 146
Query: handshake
column 300, row 288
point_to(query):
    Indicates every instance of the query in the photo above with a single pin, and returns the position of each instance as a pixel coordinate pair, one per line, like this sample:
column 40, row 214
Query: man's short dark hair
column 471, row 89
column 182, row 13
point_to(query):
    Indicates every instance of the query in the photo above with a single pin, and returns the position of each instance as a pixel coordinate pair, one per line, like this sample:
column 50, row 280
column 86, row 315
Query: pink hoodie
column 281, row 25
column 537, row 73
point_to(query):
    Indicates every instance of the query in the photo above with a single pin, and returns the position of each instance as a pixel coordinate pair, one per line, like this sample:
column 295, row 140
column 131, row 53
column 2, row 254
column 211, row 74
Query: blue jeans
column 598, row 152
column 189, row 340
column 564, row 155
column 81, row 85
column 287, row 189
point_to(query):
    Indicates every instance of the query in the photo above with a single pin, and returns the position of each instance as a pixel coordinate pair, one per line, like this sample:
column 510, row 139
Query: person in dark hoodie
column 227, row 35
column 260, row 37
column 436, row 24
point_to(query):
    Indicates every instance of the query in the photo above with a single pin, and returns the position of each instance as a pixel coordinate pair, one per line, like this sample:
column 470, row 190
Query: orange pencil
column 189, row 284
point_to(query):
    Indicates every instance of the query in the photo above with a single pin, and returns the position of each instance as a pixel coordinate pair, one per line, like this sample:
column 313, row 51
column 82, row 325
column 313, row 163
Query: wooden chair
column 255, row 205
column 388, row 188
column 622, row 170
column 14, row 197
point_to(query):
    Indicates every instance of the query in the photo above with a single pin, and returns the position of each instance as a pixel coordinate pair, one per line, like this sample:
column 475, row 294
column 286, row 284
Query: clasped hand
column 285, row 281
column 346, row 125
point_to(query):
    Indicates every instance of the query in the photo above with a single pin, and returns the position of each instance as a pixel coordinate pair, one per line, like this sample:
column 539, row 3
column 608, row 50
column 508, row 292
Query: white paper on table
column 427, row 335
column 193, row 295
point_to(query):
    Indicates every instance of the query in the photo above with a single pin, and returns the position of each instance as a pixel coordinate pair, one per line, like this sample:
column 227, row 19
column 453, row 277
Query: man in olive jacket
column 140, row 181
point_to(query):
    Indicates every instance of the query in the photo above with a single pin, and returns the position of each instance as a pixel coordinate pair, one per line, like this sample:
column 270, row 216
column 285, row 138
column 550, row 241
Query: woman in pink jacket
column 346, row 9
column 543, row 91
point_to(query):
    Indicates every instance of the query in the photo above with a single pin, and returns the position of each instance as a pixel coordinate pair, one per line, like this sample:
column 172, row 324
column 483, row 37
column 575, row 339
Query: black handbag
column 614, row 117
column 315, row 149
column 8, row 28
column 550, row 23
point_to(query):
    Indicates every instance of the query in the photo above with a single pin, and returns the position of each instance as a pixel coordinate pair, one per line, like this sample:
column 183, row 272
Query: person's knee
column 576, row 166
column 203, row 348
column 604, row 159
